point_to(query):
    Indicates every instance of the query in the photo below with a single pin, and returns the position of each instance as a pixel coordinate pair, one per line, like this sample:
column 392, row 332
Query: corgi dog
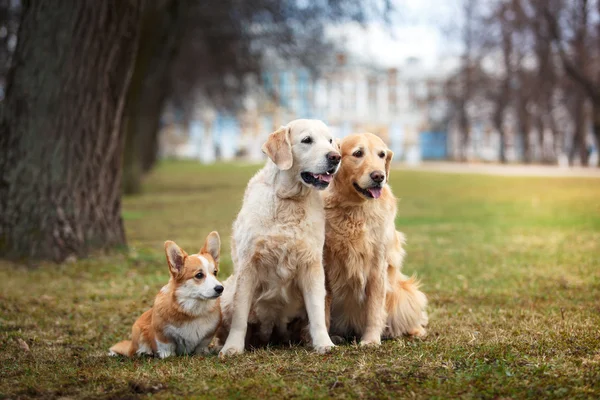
column 186, row 311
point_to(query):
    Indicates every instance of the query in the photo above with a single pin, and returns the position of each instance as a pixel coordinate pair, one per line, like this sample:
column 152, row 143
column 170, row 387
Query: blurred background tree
column 529, row 59
column 86, row 87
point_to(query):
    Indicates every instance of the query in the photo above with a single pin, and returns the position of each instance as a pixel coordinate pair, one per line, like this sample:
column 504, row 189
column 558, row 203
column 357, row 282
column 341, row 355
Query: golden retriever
column 277, row 242
column 368, row 296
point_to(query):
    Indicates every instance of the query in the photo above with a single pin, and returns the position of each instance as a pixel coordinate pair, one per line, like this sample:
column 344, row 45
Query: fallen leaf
column 23, row 345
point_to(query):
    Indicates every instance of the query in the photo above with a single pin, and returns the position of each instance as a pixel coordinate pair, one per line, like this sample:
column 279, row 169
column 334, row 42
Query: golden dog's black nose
column 334, row 157
column 377, row 176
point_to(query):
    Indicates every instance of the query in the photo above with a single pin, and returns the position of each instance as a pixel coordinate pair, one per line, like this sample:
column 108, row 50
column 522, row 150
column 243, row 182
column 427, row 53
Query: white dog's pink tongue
column 375, row 192
column 324, row 177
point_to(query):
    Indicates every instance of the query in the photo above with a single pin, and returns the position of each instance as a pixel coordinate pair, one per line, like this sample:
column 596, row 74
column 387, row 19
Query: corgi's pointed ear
column 279, row 148
column 388, row 163
column 212, row 246
column 175, row 257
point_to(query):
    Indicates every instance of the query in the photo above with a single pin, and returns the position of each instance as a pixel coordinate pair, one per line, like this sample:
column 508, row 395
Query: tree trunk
column 524, row 128
column 160, row 39
column 498, row 119
column 596, row 126
column 579, row 143
column 60, row 128
column 465, row 133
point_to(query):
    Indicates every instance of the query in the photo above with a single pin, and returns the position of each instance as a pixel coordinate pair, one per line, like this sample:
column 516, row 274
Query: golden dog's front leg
column 312, row 285
column 375, row 307
column 242, row 300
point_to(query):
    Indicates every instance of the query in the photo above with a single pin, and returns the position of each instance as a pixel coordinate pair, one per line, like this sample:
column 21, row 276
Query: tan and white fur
column 368, row 296
column 186, row 312
column 277, row 242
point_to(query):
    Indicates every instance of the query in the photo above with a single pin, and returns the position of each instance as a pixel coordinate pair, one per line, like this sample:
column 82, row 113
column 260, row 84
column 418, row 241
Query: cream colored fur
column 277, row 242
column 368, row 295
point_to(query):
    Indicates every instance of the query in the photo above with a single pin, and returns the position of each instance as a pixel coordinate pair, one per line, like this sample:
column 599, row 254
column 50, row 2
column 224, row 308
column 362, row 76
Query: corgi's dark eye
column 216, row 272
column 307, row 140
column 382, row 155
column 199, row 275
column 358, row 154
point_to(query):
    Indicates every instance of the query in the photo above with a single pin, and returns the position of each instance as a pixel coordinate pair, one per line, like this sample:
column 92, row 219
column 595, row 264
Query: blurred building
column 405, row 106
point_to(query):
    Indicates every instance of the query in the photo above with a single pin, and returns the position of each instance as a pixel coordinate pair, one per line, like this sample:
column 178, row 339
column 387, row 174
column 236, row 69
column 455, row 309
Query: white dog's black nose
column 219, row 289
column 334, row 157
column 377, row 176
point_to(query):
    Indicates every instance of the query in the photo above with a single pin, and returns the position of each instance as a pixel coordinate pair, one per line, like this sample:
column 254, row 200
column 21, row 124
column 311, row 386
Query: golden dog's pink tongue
column 375, row 192
column 324, row 177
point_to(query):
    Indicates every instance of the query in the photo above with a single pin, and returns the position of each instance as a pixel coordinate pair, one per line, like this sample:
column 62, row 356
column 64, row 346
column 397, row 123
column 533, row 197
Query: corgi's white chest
column 190, row 335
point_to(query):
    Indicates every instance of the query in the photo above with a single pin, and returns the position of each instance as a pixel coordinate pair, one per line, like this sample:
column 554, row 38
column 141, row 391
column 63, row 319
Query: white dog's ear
column 212, row 246
column 279, row 149
column 388, row 162
column 175, row 257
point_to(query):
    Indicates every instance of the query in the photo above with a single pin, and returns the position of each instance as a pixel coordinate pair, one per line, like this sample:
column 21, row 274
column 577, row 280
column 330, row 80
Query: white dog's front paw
column 230, row 350
column 323, row 346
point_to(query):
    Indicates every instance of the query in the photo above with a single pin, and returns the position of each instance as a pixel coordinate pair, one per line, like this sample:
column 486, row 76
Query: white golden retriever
column 277, row 242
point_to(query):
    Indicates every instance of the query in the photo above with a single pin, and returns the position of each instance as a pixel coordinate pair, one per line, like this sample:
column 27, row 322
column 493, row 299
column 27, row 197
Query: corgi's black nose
column 219, row 289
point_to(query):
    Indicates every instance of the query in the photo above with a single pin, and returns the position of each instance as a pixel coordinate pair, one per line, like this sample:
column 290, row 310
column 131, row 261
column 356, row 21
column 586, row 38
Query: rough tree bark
column 60, row 128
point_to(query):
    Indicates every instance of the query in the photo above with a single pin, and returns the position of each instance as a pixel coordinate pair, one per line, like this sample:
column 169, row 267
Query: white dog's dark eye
column 381, row 155
column 358, row 154
column 199, row 275
column 330, row 141
column 307, row 140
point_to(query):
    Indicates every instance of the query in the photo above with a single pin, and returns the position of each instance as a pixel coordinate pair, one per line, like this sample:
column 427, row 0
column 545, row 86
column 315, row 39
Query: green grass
column 511, row 267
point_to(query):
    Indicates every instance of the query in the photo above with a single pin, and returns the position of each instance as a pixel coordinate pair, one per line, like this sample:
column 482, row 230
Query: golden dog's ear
column 279, row 149
column 388, row 162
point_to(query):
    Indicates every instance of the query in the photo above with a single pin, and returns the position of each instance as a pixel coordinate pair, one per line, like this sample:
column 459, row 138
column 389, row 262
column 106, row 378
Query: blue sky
column 426, row 29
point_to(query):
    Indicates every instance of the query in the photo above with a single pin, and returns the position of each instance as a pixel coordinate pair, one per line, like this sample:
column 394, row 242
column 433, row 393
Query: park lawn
column 511, row 267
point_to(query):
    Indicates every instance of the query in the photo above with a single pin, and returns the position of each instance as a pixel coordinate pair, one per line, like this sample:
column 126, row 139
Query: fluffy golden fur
column 186, row 312
column 277, row 242
column 368, row 296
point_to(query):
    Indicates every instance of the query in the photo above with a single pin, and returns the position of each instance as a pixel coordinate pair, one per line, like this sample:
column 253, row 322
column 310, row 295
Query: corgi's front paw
column 165, row 350
column 165, row 354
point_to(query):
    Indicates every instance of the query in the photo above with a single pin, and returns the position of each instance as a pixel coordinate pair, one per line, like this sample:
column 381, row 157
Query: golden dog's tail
column 406, row 308
column 405, row 304
column 123, row 348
